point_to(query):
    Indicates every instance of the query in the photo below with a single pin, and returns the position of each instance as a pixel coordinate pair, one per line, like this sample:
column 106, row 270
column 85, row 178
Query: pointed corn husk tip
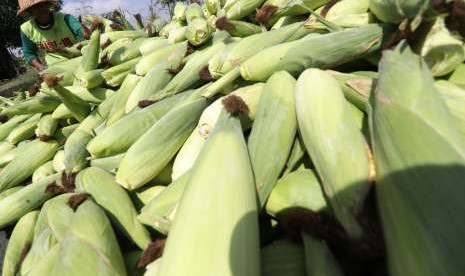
column 223, row 23
column 152, row 253
column 235, row 106
column 76, row 200
column 51, row 80
column 265, row 13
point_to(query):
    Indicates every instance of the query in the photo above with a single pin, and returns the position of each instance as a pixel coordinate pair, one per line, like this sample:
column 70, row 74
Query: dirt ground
column 20, row 83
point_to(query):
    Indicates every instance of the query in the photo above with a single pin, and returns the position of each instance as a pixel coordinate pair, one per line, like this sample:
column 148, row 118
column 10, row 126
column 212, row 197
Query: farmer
column 48, row 30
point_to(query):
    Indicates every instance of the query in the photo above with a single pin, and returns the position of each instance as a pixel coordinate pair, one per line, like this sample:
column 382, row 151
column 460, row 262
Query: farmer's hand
column 39, row 66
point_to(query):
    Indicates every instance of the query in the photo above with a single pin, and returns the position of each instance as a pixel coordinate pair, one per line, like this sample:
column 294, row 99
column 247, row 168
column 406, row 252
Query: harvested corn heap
column 244, row 138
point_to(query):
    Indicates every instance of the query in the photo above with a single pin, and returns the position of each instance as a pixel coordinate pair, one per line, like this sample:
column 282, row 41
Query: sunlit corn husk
column 119, row 137
column 188, row 153
column 177, row 35
column 273, row 132
column 103, row 188
column 62, row 133
column 155, row 80
column 236, row 10
column 90, row 241
column 5, row 147
column 345, row 14
column 114, row 36
column 164, row 32
column 11, row 124
column 198, row 31
column 110, row 164
column 75, row 151
column 328, row 128
column 172, row 54
column 272, row 10
column 157, row 25
column 98, row 116
column 454, row 96
column 298, row 189
column 118, row 109
column 90, row 58
column 24, row 131
column 91, row 79
column 213, row 6
column 25, row 200
column 319, row 260
column 283, row 257
column 114, row 76
column 179, row 11
column 11, row 154
column 63, row 66
column 237, row 28
column 47, row 126
column 146, row 158
column 152, row 44
column 144, row 196
column 116, row 45
column 43, row 171
column 59, row 161
column 10, row 191
column 296, row 156
column 62, row 112
column 228, row 230
column 441, row 50
column 20, row 242
column 28, row 160
column 417, row 173
column 320, row 51
column 193, row 11
column 396, row 11
column 458, row 76
column 38, row 104
column 127, row 52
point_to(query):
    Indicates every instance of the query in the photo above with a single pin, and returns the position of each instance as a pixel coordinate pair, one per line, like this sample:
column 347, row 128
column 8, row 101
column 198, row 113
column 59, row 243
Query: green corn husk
column 119, row 137
column 43, row 171
column 10, row 191
column 90, row 240
column 131, row 260
column 98, row 116
column 442, row 51
column 193, row 11
column 228, row 230
column 90, row 79
column 164, row 32
column 62, row 133
column 114, row 36
column 25, row 200
column 273, row 10
column 145, row 195
column 11, row 154
column 345, row 174
column 152, row 44
column 238, row 9
column 454, row 96
column 38, row 104
column 237, row 28
column 100, row 184
column 213, row 6
column 190, row 74
column 59, row 161
column 160, row 212
column 78, row 107
column 75, row 151
column 458, row 76
column 296, row 156
column 146, row 158
column 179, row 12
column 345, row 14
column 110, row 164
column 20, row 241
column 32, row 156
column 177, row 35
column 283, row 257
column 275, row 123
column 298, row 189
column 127, row 52
column 155, row 80
column 90, row 58
column 253, row 44
column 421, row 239
column 319, row 260
column 62, row 112
column 115, row 46
column 62, row 66
column 356, row 88
column 321, row 51
column 24, row 131
column 5, row 147
column 114, row 76
column 11, row 124
column 118, row 109
column 172, row 54
column 395, row 11
column 157, row 25
column 153, row 269
column 47, row 126
column 198, row 31
column 95, row 95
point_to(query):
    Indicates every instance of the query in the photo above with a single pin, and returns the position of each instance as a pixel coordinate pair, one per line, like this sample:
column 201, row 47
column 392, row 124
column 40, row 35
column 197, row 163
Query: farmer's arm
column 75, row 26
column 30, row 53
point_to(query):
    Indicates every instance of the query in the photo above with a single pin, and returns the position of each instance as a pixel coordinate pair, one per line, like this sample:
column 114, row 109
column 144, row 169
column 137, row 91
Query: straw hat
column 26, row 4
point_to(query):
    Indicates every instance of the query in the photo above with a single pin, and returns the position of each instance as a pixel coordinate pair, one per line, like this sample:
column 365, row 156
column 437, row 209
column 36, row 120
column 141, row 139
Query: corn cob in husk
column 152, row 44
column 273, row 10
column 24, row 131
column 43, row 171
column 38, row 104
column 177, row 35
column 126, row 52
column 121, row 97
column 237, row 28
column 458, row 76
column 114, row 76
column 198, row 31
column 179, row 11
column 11, row 124
column 110, row 164
column 319, row 260
column 10, row 191
column 90, row 79
column 283, row 257
column 46, row 126
column 193, row 12
column 172, row 54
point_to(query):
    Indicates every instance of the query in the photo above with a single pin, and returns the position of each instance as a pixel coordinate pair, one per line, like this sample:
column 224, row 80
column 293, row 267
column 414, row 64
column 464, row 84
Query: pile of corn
column 245, row 138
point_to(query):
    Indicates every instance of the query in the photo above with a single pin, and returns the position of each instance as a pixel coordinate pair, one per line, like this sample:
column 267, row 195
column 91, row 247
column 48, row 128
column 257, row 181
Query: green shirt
column 65, row 30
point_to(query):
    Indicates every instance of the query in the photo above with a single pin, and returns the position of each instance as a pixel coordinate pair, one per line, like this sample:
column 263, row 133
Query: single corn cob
column 100, row 184
column 236, row 10
column 172, row 54
column 275, row 123
column 25, row 200
column 283, row 257
column 46, row 127
column 90, row 59
column 160, row 212
column 114, row 76
column 79, row 108
column 43, row 171
column 98, row 116
column 164, row 32
column 213, row 6
column 110, row 164
column 38, row 104
column 393, row 11
column 230, row 187
column 75, row 151
column 11, row 124
column 177, row 35
column 20, row 242
column 136, row 169
column 24, row 131
column 356, row 88
column 115, row 46
column 198, row 31
column 5, row 147
column 345, row 174
column 10, row 155
column 152, row 44
column 114, row 36
column 179, row 11
column 298, row 189
column 145, row 195
column 10, row 191
column 321, row 51
column 215, row 63
column 29, row 159
column 319, row 260
column 345, row 13
column 193, row 12
column 237, row 28
column 59, row 161
column 90, row 79
column 273, row 10
column 119, row 137
column 118, row 109
column 417, row 174
column 155, row 80
column 126, row 52
column 62, row 112
column 296, row 156
column 65, row 132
